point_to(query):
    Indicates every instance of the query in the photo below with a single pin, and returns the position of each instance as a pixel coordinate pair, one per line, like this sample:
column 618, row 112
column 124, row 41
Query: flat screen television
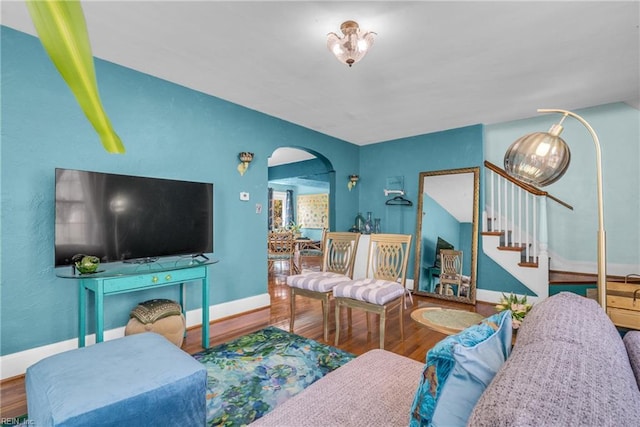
column 442, row 244
column 130, row 218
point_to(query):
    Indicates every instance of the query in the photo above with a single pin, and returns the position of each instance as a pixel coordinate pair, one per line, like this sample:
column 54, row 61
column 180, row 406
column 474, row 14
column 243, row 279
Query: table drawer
column 626, row 303
column 623, row 303
column 623, row 295
column 624, row 318
column 153, row 279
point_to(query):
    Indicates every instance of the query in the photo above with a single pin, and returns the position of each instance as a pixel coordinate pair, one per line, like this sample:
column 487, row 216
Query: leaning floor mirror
column 447, row 234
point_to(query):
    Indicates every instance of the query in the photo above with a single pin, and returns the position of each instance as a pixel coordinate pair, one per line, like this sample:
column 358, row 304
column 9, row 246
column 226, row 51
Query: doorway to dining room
column 301, row 193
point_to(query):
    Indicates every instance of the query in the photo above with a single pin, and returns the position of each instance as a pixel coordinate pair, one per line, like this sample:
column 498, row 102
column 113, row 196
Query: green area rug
column 251, row 375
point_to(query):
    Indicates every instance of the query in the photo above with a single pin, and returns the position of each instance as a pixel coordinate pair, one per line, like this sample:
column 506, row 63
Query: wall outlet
column 244, row 196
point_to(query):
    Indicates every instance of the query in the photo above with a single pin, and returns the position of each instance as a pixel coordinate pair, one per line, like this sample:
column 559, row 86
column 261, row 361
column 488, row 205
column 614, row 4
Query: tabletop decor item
column 86, row 264
column 519, row 307
column 296, row 229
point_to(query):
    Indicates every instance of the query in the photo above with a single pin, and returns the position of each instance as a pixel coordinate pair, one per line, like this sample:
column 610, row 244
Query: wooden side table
column 445, row 320
column 623, row 302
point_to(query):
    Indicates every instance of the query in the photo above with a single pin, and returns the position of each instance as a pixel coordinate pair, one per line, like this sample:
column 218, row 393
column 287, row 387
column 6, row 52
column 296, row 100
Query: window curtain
column 288, row 216
column 270, row 202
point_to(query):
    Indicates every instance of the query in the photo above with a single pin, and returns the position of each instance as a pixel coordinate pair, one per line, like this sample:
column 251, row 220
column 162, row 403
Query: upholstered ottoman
column 140, row 380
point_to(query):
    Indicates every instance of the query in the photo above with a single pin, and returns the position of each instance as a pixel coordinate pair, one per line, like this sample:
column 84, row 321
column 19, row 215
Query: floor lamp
column 541, row 158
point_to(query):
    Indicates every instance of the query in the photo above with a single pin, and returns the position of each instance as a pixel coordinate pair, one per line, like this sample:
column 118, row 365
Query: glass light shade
column 245, row 156
column 539, row 158
column 353, row 46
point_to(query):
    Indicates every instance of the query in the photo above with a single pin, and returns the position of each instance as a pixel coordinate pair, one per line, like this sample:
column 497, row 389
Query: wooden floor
column 418, row 339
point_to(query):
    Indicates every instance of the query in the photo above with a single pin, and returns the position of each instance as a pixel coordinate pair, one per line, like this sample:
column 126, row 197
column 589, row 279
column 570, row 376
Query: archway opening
column 301, row 191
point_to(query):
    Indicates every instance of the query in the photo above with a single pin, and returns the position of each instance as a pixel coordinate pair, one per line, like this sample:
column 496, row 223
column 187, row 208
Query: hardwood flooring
column 355, row 339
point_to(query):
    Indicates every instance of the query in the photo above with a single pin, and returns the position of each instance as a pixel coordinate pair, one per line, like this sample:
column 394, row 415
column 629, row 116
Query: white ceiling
column 433, row 66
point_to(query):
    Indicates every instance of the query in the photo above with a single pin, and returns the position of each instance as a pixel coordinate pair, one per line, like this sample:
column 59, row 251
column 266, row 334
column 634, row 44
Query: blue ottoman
column 141, row 380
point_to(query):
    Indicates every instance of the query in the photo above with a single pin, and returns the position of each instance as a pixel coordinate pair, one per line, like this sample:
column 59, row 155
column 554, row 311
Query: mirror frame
column 474, row 234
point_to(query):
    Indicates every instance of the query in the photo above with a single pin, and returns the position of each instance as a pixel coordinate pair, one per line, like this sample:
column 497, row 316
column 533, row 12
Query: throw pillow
column 155, row 309
column 458, row 369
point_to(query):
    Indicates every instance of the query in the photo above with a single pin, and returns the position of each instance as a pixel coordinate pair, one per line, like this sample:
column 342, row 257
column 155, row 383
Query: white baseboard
column 15, row 364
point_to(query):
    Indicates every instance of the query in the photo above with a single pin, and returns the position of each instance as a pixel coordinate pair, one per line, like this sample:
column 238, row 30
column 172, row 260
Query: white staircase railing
column 517, row 213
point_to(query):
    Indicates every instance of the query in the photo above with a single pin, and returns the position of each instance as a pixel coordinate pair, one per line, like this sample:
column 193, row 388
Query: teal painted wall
column 314, row 169
column 173, row 132
column 407, row 157
column 170, row 132
column 572, row 234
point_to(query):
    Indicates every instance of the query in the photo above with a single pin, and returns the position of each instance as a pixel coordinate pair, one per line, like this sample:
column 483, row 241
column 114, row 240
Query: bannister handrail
column 527, row 187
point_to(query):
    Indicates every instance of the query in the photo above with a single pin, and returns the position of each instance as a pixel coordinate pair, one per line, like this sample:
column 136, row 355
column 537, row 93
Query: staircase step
column 528, row 264
column 492, row 233
column 512, row 248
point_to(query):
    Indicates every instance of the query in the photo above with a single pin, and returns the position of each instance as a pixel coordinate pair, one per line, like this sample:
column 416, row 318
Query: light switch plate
column 244, row 196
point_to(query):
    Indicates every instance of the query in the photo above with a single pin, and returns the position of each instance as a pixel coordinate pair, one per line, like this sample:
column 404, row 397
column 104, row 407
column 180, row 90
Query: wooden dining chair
column 281, row 247
column 384, row 287
column 312, row 249
column 337, row 267
column 450, row 271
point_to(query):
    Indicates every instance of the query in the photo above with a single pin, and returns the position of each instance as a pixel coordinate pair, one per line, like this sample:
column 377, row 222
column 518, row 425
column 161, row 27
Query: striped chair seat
column 373, row 291
column 322, row 281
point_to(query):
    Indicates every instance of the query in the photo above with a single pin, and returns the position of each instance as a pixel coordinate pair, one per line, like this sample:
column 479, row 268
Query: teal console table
column 118, row 278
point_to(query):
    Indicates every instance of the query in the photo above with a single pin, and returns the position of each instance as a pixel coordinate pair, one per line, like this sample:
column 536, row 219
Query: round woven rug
column 446, row 320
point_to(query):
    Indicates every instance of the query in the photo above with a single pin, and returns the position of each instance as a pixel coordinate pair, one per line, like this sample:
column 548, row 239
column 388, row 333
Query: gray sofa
column 569, row 367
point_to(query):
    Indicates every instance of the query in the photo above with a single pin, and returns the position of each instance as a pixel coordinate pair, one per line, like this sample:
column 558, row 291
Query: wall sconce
column 353, row 179
column 245, row 158
column 353, row 46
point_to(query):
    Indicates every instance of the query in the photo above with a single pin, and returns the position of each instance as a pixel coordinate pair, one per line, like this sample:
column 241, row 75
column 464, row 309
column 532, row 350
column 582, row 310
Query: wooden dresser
column 623, row 302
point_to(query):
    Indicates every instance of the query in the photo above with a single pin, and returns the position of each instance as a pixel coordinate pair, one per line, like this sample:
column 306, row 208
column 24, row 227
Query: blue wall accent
column 170, row 132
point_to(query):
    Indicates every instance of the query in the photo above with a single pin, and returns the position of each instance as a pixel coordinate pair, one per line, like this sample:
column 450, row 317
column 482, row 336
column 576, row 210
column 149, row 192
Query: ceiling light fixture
column 353, row 46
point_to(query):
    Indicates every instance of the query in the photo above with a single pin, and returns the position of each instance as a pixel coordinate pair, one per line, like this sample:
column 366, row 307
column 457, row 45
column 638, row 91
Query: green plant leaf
column 63, row 33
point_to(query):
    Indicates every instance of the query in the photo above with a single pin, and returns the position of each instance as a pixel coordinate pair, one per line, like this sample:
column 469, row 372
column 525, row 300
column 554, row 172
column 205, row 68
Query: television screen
column 442, row 244
column 124, row 218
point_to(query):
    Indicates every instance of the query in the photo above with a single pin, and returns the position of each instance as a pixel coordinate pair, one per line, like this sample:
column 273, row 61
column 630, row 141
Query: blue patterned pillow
column 458, row 370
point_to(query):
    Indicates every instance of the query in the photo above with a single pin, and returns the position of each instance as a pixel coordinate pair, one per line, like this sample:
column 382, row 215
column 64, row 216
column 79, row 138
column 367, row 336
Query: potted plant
column 295, row 228
column 519, row 307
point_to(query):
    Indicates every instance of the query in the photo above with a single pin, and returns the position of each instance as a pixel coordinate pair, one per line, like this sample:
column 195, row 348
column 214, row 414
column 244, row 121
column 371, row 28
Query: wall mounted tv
column 130, row 218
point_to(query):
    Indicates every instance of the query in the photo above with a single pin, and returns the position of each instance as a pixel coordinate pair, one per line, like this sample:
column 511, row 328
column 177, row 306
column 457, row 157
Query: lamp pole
column 602, row 252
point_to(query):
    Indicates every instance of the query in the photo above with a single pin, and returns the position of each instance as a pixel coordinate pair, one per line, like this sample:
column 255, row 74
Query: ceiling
column 433, row 66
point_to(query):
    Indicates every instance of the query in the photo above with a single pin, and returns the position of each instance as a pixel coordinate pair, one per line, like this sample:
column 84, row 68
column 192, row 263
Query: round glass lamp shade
column 539, row 158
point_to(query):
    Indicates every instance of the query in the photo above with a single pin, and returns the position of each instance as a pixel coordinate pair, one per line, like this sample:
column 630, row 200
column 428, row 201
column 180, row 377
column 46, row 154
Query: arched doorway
column 299, row 179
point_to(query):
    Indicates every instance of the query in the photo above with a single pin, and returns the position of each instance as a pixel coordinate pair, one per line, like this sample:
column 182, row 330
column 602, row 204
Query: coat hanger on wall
column 399, row 201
